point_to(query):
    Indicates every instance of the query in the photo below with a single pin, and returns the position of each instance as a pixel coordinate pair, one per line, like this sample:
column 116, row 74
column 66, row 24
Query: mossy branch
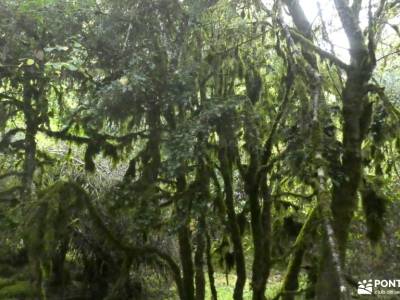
column 290, row 282
column 130, row 250
column 322, row 53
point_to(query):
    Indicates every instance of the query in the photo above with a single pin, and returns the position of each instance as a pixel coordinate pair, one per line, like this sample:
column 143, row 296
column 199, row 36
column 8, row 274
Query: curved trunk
column 291, row 281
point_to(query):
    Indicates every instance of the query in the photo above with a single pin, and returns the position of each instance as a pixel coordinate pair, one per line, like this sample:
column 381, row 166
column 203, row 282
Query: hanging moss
column 291, row 226
column 253, row 85
column 374, row 209
column 91, row 151
column 242, row 222
column 48, row 227
column 48, row 221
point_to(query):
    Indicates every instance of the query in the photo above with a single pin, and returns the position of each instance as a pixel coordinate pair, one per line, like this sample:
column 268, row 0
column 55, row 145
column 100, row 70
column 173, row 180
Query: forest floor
column 225, row 287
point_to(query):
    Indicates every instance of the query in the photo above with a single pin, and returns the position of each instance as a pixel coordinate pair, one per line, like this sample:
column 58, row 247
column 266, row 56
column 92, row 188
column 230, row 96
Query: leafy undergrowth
column 226, row 287
column 11, row 289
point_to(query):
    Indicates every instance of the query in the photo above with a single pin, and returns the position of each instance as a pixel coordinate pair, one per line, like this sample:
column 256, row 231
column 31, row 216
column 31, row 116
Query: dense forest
column 199, row 149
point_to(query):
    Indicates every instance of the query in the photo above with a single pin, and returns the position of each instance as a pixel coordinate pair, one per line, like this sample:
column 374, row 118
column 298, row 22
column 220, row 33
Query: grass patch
column 225, row 288
column 5, row 282
column 16, row 290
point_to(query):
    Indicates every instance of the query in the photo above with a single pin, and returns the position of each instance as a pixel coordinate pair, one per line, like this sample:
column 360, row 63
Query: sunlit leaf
column 29, row 62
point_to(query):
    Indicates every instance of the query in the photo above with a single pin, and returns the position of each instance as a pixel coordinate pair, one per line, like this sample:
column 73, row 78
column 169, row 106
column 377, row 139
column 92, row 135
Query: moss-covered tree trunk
column 355, row 124
column 184, row 241
column 256, row 187
column 262, row 271
column 291, row 280
column 226, row 170
column 199, row 260
column 210, row 269
column 356, row 117
column 30, row 140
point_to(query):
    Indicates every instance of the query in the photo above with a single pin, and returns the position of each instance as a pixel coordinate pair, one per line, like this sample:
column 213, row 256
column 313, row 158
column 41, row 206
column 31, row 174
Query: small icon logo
column 365, row 287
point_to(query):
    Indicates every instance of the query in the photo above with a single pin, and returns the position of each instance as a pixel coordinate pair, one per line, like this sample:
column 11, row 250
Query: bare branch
column 371, row 34
column 356, row 7
column 350, row 26
column 387, row 55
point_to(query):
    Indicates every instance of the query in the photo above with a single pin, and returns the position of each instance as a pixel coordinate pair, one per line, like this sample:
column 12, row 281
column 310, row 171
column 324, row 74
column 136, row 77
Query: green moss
column 5, row 282
column 18, row 289
column 6, row 271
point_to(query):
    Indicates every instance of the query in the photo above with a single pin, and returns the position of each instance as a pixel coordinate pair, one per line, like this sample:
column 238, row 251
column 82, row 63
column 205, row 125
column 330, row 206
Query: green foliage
column 51, row 216
column 16, row 290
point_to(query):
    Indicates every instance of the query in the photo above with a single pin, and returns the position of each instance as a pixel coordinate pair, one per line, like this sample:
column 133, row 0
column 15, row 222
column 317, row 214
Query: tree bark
column 234, row 231
column 29, row 143
column 185, row 246
column 199, row 260
column 291, row 283
column 210, row 268
column 355, row 101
